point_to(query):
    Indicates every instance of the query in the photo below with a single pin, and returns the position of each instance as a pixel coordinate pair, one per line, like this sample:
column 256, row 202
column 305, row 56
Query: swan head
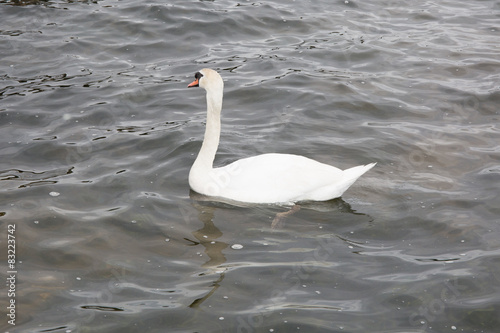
column 208, row 79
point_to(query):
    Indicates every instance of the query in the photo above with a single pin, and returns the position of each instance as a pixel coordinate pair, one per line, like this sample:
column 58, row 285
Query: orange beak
column 195, row 83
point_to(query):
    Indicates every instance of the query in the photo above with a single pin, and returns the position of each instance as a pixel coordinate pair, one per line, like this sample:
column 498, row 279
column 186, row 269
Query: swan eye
column 196, row 82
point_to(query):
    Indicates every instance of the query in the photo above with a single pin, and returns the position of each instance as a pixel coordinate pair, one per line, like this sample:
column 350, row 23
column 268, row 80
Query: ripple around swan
column 99, row 131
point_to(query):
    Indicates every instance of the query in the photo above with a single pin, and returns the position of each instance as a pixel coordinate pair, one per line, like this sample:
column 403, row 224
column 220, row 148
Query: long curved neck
column 208, row 149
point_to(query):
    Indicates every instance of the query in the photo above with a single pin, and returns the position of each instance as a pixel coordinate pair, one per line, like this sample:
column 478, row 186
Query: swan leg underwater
column 262, row 179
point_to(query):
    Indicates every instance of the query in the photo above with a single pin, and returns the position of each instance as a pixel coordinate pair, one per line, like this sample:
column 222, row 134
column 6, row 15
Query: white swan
column 267, row 178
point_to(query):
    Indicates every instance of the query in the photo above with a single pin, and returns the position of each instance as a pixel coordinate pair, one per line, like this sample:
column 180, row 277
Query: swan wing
column 285, row 178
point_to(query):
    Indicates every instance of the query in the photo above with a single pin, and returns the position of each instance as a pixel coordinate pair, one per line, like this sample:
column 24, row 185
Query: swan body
column 266, row 178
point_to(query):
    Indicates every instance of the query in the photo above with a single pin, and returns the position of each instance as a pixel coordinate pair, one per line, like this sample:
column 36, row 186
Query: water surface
column 98, row 133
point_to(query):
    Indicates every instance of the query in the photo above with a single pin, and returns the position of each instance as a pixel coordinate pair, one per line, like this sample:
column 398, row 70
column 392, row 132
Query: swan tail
column 352, row 174
column 357, row 171
column 336, row 190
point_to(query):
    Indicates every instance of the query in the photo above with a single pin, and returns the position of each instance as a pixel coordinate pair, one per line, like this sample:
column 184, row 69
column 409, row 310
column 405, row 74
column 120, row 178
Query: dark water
column 98, row 133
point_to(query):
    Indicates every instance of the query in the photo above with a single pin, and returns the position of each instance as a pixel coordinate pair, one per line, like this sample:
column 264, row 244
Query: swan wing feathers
column 271, row 178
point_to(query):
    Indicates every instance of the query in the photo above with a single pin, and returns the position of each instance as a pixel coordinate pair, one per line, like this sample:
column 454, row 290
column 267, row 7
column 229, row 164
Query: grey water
column 98, row 132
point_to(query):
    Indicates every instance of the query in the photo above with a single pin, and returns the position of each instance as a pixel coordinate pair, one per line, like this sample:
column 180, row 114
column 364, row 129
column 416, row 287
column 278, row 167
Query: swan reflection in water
column 208, row 235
